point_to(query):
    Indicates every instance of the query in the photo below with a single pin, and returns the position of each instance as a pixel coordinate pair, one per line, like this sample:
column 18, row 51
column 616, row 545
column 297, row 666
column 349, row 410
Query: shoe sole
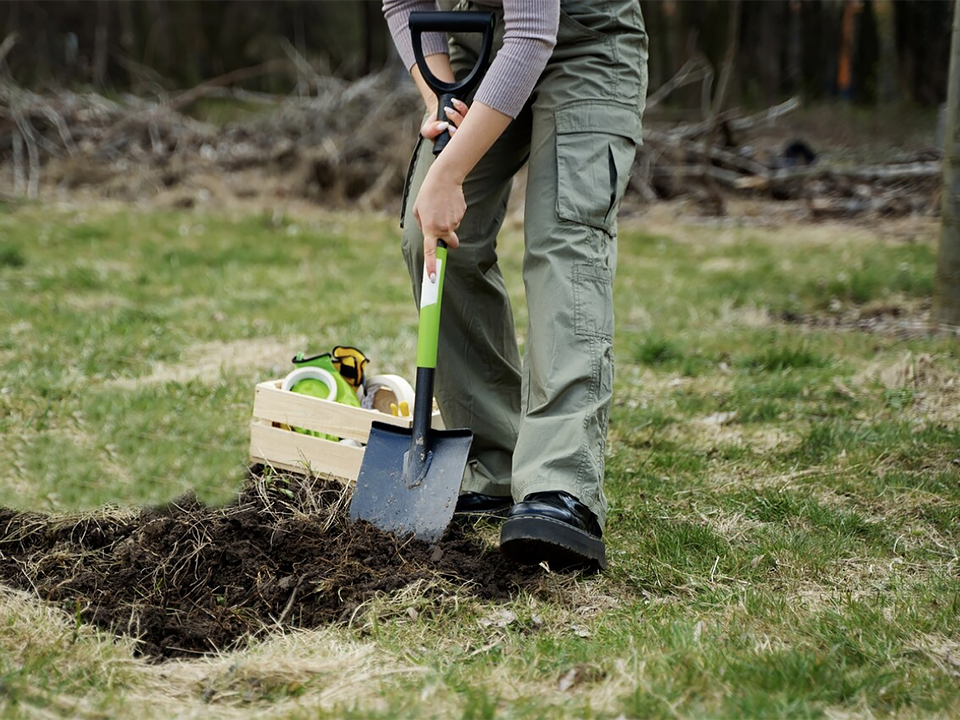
column 532, row 540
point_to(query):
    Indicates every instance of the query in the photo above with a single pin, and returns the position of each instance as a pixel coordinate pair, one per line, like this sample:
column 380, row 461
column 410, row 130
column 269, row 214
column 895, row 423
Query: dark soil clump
column 187, row 579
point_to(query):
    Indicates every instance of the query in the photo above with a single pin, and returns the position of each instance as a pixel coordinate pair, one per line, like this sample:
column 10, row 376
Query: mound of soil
column 187, row 578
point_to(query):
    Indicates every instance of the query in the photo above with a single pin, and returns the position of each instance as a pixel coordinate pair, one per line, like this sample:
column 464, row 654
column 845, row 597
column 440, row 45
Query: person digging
column 563, row 95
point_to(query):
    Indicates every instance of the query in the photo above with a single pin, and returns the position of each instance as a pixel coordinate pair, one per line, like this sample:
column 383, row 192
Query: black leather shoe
column 556, row 527
column 477, row 505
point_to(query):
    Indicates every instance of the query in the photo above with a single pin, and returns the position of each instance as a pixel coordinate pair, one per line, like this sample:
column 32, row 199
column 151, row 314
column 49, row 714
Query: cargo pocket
column 593, row 301
column 596, row 145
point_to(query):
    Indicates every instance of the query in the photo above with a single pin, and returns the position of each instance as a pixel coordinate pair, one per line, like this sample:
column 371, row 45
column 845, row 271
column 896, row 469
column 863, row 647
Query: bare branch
column 19, row 181
column 7, row 45
column 696, row 68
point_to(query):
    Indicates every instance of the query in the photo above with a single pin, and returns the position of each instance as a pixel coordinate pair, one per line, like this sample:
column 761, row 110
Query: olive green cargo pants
column 541, row 425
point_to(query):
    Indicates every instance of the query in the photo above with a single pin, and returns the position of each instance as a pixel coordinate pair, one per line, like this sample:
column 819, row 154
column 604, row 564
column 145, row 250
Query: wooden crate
column 273, row 443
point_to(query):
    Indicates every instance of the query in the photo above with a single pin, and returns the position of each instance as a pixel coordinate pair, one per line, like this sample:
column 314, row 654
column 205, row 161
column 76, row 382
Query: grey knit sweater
column 529, row 38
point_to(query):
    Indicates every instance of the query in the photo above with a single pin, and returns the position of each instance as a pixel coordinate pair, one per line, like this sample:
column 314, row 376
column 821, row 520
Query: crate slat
column 303, row 411
column 300, row 453
column 273, row 443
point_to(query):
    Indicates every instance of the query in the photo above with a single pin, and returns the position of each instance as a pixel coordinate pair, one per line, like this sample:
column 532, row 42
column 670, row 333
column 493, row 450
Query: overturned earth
column 187, row 579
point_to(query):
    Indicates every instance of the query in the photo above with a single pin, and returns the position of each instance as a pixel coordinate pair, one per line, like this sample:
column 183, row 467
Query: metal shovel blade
column 402, row 496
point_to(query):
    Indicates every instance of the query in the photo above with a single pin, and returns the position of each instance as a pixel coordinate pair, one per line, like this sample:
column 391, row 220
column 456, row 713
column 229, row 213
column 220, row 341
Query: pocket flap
column 603, row 116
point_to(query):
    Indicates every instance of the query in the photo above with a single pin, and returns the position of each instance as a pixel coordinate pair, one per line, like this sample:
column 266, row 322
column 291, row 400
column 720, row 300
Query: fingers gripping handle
column 459, row 22
column 446, row 101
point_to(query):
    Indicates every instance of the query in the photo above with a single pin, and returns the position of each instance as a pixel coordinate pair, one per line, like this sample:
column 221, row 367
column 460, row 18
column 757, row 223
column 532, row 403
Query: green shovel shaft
column 430, row 296
column 428, row 333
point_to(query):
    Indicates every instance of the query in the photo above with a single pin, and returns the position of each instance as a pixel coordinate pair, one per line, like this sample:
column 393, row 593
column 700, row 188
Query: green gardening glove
column 346, row 395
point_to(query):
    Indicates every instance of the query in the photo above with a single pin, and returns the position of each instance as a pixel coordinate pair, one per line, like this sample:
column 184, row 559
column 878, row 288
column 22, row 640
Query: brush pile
column 732, row 154
column 340, row 144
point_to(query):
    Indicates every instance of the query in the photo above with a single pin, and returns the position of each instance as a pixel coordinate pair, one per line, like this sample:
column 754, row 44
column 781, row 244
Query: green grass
column 784, row 496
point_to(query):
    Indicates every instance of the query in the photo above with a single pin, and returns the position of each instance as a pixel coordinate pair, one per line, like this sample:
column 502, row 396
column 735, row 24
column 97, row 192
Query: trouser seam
column 583, row 465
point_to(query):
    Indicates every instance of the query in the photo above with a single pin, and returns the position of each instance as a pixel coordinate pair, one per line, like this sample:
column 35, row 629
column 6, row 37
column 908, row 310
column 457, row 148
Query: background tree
column 894, row 48
column 947, row 287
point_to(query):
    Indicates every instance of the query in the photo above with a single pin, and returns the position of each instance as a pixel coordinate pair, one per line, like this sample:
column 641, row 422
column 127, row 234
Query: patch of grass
column 657, row 351
column 774, row 505
column 678, row 556
column 11, row 257
column 637, row 422
column 826, row 439
column 903, row 270
column 759, row 411
column 88, row 232
column 691, row 402
column 779, row 358
column 783, row 521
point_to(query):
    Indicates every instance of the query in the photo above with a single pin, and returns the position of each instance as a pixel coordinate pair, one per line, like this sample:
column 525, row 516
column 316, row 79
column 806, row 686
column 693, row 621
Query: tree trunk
column 670, row 38
column 888, row 80
column 369, row 13
column 723, row 89
column 794, row 48
column 866, row 61
column 128, row 41
column 100, row 39
column 947, row 284
column 812, row 51
column 769, row 50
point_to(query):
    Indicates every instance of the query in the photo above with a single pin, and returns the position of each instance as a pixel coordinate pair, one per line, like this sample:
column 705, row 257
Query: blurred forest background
column 863, row 50
column 834, row 104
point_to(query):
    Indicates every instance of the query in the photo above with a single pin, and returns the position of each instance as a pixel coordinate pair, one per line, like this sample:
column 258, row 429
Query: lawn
column 783, row 469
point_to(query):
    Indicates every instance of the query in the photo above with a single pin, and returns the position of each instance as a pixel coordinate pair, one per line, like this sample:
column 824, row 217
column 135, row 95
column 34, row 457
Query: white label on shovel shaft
column 430, row 291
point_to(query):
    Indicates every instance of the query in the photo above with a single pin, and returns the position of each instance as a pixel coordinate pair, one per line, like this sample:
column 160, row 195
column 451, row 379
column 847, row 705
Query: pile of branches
column 348, row 144
column 685, row 161
column 331, row 141
column 715, row 153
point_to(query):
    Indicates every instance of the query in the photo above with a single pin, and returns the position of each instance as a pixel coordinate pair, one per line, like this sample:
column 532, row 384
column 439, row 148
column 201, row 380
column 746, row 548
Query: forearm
column 476, row 134
column 439, row 65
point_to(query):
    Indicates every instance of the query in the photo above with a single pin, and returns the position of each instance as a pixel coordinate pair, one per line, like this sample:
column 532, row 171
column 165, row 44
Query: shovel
column 462, row 22
column 409, row 480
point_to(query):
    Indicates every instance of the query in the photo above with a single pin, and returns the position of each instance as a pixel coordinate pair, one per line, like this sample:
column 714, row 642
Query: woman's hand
column 455, row 115
column 439, row 209
column 440, row 205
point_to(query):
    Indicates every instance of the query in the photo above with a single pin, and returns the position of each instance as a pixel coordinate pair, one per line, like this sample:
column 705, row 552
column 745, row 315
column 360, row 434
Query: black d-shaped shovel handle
column 460, row 22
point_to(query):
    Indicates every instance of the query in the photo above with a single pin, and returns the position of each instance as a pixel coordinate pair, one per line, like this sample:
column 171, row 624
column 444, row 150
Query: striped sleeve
column 529, row 38
column 530, row 34
column 397, row 14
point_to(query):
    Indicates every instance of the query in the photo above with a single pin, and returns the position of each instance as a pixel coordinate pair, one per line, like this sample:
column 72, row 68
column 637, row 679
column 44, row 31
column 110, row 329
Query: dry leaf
column 498, row 618
column 570, row 679
column 581, row 631
column 578, row 675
